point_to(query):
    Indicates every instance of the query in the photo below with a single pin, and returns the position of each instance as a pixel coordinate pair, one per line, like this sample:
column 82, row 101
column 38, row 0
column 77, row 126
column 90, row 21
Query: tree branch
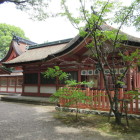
column 16, row 2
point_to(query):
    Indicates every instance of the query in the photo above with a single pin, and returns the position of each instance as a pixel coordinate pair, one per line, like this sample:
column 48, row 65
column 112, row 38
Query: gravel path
column 32, row 122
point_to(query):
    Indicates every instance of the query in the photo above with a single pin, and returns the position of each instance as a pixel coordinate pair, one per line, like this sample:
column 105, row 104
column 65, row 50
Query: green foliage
column 82, row 32
column 70, row 92
column 8, row 69
column 120, row 83
column 111, row 35
column 6, row 35
column 73, row 95
column 133, row 94
column 73, row 83
column 133, row 18
column 55, row 72
column 132, row 57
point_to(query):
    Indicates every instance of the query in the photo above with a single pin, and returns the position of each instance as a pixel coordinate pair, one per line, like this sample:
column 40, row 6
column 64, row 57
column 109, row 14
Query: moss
column 100, row 123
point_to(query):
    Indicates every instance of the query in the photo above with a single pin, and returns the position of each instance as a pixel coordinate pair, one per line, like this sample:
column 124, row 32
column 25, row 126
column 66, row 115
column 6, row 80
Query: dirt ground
column 20, row 121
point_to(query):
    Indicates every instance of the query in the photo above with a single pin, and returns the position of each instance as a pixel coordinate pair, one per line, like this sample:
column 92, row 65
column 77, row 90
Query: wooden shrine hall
column 71, row 56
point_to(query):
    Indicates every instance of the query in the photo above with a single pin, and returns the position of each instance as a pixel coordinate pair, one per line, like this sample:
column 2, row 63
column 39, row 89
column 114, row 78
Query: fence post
column 107, row 101
column 103, row 99
column 88, row 94
column 99, row 100
column 95, row 99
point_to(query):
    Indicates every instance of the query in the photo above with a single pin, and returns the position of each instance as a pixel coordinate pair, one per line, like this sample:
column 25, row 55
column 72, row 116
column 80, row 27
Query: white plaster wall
column 48, row 89
column 31, row 89
column 3, row 88
column 19, row 89
column 11, row 89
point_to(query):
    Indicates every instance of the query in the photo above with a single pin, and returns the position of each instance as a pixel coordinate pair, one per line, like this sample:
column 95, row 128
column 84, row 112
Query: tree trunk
column 76, row 117
column 117, row 117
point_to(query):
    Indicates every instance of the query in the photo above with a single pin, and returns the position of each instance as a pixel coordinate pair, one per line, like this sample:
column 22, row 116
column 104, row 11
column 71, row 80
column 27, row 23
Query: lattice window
column 19, row 81
column 3, row 82
column 12, row 82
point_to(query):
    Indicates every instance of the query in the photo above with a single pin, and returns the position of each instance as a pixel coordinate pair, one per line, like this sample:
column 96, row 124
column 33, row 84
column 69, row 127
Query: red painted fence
column 100, row 101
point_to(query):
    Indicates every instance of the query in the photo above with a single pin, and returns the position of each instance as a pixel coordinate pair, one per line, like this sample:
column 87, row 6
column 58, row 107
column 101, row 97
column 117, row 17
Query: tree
column 6, row 35
column 37, row 9
column 93, row 16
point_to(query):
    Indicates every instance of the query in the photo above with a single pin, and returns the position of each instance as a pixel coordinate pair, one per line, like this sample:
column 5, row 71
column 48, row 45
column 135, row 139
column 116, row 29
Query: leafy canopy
column 37, row 9
column 6, row 35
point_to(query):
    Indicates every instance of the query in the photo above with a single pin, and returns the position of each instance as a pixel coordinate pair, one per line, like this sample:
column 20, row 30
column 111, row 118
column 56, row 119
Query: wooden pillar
column 16, row 84
column 57, row 78
column 129, row 84
column 137, row 78
column 79, row 74
column 101, row 81
column 23, row 82
column 7, row 80
column 39, row 80
column 57, row 83
column 134, row 80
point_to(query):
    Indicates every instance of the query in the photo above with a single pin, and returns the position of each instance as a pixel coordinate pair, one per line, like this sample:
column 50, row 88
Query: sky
column 50, row 30
column 42, row 31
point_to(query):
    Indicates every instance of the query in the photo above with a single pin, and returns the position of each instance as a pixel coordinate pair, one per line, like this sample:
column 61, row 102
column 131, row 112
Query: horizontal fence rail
column 99, row 101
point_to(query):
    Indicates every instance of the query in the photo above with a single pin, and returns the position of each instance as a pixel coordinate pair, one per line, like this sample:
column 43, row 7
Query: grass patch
column 100, row 123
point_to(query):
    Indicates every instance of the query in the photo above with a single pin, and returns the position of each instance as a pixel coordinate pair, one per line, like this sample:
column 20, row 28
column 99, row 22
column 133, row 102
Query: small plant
column 70, row 92
column 73, row 95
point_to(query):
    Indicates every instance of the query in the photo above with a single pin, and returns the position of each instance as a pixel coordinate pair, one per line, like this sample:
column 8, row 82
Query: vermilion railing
column 100, row 101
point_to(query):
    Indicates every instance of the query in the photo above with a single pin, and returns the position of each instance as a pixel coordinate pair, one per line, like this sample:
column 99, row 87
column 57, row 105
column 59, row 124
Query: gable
column 16, row 48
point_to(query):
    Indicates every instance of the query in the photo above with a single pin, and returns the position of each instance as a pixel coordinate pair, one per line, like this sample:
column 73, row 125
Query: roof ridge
column 49, row 43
